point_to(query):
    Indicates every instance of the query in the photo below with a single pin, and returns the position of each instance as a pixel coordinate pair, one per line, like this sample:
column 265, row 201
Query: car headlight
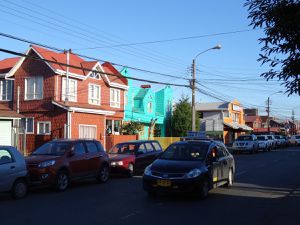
column 193, row 173
column 117, row 163
column 147, row 171
column 46, row 164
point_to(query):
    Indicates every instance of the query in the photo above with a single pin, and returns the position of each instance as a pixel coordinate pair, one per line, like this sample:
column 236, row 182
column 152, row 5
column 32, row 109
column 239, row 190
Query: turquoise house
column 143, row 104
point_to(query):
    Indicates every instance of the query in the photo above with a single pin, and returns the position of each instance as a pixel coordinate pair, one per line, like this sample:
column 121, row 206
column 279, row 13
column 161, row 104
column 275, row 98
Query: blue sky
column 229, row 73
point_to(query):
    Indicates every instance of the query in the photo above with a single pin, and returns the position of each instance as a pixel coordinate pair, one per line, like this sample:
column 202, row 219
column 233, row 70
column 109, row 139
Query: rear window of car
column 91, row 146
column 157, row 146
column 245, row 138
column 261, row 138
column 52, row 148
column 149, row 147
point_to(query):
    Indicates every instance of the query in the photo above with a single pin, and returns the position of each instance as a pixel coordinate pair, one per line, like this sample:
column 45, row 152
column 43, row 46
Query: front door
column 224, row 164
column 78, row 161
column 215, row 165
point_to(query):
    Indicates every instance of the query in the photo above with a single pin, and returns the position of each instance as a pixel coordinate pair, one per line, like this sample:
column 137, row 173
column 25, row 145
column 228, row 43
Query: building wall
column 212, row 121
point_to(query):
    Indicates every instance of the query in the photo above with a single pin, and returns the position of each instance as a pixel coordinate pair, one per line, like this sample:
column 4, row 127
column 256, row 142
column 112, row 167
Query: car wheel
column 103, row 174
column 230, row 179
column 19, row 189
column 130, row 171
column 62, row 181
column 204, row 189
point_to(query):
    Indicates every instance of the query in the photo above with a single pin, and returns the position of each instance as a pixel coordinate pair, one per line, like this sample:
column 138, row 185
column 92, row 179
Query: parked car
column 272, row 141
column 133, row 157
column 280, row 141
column 247, row 143
column 58, row 162
column 264, row 143
column 295, row 140
column 190, row 167
column 13, row 172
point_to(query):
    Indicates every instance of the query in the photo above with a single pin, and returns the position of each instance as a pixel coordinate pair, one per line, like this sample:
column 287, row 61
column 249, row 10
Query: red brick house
column 94, row 101
column 253, row 121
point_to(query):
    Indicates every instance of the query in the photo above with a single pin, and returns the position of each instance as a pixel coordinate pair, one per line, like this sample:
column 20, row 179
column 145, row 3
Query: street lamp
column 193, row 86
column 268, row 109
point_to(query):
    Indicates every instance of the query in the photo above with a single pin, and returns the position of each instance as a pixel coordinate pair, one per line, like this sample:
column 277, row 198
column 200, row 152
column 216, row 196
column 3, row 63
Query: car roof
column 72, row 140
column 137, row 141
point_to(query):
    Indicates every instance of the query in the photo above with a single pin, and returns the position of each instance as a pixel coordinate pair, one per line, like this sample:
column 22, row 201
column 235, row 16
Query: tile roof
column 250, row 119
column 7, row 64
column 109, row 68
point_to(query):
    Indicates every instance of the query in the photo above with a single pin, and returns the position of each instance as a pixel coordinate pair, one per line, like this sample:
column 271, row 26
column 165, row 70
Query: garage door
column 5, row 132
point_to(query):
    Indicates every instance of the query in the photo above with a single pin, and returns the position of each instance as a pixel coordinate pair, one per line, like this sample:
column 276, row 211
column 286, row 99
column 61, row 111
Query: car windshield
column 52, row 148
column 125, row 148
column 244, row 138
column 277, row 137
column 261, row 138
column 270, row 137
column 297, row 137
column 186, row 151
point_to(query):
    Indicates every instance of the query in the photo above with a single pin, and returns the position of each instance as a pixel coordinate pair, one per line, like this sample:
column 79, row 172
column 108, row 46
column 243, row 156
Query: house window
column 149, row 107
column 94, row 94
column 72, row 90
column 87, row 131
column 27, row 125
column 33, row 88
column 44, row 128
column 115, row 98
column 96, row 75
column 6, row 87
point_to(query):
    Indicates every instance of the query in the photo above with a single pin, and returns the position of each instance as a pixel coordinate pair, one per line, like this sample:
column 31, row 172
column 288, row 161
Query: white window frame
column 114, row 101
column 91, row 98
column 43, row 122
column 88, row 125
column 8, row 95
column 26, row 125
column 149, row 107
column 72, row 98
column 35, row 78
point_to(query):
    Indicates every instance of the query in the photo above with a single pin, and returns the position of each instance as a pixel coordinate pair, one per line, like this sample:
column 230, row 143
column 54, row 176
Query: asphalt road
column 266, row 191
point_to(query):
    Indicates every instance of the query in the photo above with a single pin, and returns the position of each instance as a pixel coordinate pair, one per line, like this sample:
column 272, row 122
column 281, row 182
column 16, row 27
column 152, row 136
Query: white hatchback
column 13, row 172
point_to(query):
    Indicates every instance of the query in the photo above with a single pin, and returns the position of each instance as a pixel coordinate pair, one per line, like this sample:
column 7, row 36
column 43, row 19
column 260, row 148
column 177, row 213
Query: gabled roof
column 251, row 119
column 7, row 64
column 116, row 80
column 212, row 106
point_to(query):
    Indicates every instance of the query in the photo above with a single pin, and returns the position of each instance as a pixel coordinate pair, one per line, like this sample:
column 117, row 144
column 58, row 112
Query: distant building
column 223, row 119
column 251, row 112
column 144, row 105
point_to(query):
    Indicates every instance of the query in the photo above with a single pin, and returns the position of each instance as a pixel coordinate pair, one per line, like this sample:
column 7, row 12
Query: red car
column 133, row 157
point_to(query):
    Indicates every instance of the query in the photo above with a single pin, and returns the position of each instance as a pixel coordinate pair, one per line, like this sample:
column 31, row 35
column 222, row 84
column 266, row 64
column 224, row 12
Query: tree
column 280, row 20
column 131, row 128
column 182, row 118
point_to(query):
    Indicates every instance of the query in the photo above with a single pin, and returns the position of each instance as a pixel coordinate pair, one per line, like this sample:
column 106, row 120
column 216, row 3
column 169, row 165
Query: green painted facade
column 144, row 104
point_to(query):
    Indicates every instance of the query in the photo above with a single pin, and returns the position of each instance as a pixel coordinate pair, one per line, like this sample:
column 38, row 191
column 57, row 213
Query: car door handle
column 12, row 167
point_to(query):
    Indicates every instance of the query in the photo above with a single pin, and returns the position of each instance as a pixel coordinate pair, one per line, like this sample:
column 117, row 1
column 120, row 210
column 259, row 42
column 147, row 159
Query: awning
column 7, row 113
column 237, row 126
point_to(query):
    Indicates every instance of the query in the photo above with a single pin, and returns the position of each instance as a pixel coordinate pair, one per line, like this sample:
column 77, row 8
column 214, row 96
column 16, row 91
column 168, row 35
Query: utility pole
column 68, row 130
column 268, row 110
column 293, row 119
column 193, row 86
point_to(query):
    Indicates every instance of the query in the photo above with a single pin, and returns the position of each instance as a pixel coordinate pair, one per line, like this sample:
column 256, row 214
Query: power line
column 86, row 69
column 168, row 40
column 90, row 34
column 88, row 57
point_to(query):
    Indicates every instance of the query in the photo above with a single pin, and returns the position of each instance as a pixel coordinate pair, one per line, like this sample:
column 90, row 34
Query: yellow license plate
column 164, row 183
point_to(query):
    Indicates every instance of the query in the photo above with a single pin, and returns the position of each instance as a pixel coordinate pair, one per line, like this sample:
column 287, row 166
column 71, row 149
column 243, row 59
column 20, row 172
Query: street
column 266, row 191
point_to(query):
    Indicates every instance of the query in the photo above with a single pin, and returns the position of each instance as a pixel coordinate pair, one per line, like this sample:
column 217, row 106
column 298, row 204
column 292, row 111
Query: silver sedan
column 13, row 172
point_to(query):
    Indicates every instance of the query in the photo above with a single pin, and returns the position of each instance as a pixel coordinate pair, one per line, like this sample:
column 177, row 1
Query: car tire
column 204, row 189
column 130, row 171
column 19, row 189
column 62, row 180
column 230, row 179
column 103, row 174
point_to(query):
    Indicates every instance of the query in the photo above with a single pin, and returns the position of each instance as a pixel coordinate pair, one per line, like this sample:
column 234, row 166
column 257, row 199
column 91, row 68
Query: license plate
column 164, row 183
